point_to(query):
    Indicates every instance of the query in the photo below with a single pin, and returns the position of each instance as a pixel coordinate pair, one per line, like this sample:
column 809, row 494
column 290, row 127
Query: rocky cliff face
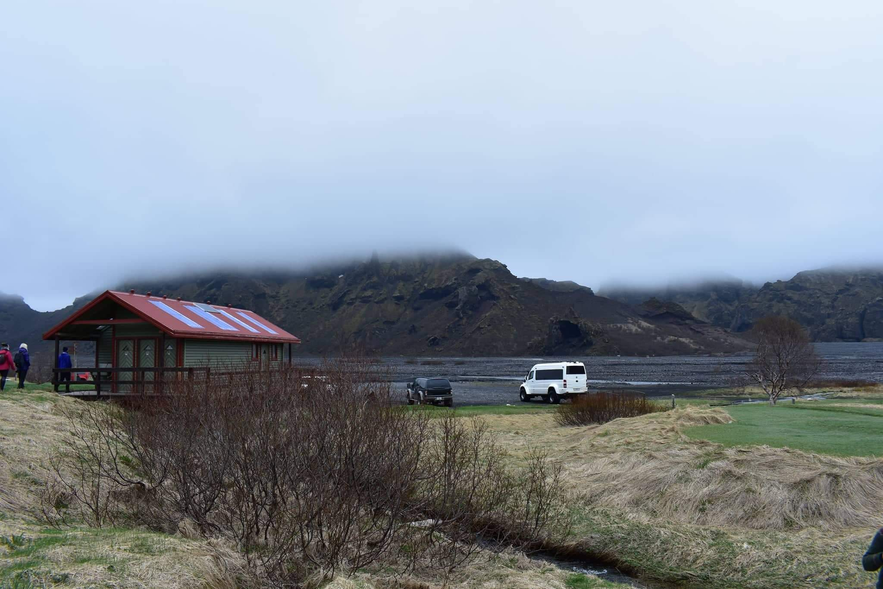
column 19, row 323
column 834, row 305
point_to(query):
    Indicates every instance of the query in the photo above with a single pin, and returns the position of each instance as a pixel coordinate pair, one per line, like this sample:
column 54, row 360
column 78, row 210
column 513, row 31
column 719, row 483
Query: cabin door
column 125, row 359
column 147, row 359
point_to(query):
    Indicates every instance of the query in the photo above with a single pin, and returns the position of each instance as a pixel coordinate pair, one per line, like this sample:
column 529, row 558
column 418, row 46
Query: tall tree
column 785, row 358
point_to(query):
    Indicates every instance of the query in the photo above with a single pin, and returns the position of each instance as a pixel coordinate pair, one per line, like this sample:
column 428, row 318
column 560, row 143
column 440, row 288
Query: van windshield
column 576, row 370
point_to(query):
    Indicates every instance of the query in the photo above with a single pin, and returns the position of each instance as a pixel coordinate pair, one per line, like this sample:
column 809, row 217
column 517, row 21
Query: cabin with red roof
column 142, row 340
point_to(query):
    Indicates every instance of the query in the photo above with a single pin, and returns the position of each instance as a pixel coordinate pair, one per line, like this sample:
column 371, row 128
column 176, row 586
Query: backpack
column 18, row 360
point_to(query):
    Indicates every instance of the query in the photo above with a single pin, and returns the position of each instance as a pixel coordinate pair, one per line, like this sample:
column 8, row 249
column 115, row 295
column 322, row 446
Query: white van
column 554, row 381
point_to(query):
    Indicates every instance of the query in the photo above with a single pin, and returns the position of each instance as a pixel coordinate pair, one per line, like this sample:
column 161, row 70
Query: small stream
column 573, row 560
column 585, row 567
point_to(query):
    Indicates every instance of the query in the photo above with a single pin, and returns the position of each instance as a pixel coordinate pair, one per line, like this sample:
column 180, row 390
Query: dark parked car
column 430, row 390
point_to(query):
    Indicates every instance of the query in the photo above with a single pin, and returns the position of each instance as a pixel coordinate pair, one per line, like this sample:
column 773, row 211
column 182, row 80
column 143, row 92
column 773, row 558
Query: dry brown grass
column 508, row 570
column 27, row 429
column 30, row 427
column 868, row 392
column 79, row 556
column 647, row 467
column 694, row 511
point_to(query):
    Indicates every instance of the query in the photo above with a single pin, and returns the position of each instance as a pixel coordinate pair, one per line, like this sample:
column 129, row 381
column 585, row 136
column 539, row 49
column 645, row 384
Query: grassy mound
column 697, row 513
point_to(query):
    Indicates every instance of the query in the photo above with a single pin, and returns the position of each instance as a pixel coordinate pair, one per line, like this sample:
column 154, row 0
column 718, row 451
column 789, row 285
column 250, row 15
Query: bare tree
column 785, row 358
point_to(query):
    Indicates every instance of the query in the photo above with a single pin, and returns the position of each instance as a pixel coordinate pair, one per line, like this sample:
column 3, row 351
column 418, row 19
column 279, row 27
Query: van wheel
column 523, row 395
column 553, row 397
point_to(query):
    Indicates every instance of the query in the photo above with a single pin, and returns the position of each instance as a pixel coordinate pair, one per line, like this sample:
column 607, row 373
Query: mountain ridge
column 833, row 304
column 433, row 305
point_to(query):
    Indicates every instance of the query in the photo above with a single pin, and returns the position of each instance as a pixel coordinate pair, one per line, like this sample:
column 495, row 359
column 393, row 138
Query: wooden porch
column 125, row 382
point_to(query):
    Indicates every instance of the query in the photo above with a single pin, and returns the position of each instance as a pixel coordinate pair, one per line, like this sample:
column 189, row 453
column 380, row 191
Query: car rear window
column 550, row 374
column 576, row 370
column 438, row 383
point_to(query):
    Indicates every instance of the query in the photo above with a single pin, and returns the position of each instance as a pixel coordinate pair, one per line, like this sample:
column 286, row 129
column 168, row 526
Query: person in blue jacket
column 64, row 361
column 22, row 362
column 873, row 558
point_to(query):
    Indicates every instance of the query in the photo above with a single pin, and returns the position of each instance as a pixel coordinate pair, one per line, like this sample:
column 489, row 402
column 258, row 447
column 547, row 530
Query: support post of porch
column 97, row 376
column 55, row 364
column 161, row 362
column 289, row 353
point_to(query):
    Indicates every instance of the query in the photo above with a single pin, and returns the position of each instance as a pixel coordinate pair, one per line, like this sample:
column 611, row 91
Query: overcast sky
column 589, row 140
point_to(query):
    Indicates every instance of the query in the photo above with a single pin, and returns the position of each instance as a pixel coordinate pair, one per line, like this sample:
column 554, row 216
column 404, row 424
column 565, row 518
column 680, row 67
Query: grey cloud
column 592, row 141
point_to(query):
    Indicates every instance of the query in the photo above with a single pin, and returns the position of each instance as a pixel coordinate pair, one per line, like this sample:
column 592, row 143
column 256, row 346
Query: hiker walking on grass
column 22, row 362
column 64, row 361
column 873, row 558
column 7, row 363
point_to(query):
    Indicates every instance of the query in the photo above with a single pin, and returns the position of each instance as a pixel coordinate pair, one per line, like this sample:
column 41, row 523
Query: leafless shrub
column 602, row 407
column 785, row 358
column 55, row 500
column 308, row 472
column 40, row 371
column 86, row 470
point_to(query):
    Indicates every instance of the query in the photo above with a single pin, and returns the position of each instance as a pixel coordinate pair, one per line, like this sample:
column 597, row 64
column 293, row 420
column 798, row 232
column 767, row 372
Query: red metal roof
column 188, row 319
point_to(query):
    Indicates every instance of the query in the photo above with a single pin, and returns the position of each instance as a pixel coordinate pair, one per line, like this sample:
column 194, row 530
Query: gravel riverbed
column 495, row 381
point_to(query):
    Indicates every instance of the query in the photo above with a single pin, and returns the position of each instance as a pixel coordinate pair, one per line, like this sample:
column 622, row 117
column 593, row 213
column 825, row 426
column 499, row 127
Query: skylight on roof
column 240, row 322
column 256, row 322
column 207, row 308
column 179, row 316
column 211, row 318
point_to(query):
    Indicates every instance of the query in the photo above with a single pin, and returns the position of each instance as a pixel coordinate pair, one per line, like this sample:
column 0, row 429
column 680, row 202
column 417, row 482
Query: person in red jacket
column 6, row 364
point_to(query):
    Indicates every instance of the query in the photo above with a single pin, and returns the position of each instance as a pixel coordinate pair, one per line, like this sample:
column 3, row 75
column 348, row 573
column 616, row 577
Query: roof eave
column 238, row 338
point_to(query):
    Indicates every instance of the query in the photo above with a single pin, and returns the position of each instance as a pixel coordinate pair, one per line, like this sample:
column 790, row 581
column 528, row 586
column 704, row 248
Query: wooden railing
column 138, row 384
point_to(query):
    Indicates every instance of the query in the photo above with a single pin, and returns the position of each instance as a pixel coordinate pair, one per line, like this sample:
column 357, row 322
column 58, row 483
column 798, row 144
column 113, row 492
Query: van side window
column 550, row 374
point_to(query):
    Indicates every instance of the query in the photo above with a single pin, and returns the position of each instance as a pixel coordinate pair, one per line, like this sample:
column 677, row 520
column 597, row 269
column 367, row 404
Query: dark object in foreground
column 430, row 390
column 602, row 407
column 873, row 558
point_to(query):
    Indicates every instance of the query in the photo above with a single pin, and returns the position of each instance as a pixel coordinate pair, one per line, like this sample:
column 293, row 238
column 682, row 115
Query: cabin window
column 275, row 351
column 255, row 352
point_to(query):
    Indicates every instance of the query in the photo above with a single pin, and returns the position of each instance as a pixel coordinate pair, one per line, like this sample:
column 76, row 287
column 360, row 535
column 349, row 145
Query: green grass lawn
column 811, row 426
column 469, row 410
